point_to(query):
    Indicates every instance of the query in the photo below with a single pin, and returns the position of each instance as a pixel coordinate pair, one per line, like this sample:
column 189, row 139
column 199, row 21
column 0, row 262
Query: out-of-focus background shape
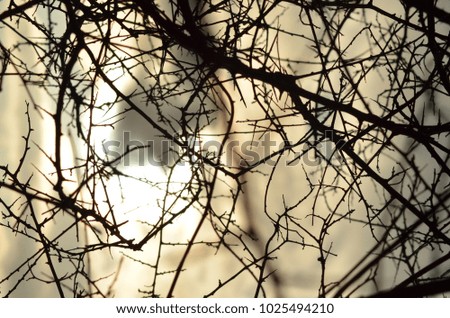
column 224, row 148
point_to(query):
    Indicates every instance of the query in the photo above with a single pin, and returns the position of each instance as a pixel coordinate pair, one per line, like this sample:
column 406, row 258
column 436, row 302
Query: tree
column 301, row 147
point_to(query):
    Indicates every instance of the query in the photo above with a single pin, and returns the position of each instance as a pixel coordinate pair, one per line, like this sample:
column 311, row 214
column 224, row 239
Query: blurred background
column 224, row 148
